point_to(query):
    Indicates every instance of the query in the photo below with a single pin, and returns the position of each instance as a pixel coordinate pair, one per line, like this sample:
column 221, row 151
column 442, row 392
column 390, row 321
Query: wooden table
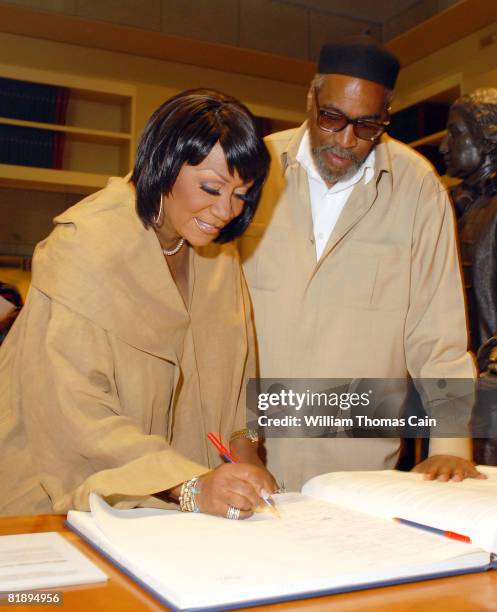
column 469, row 593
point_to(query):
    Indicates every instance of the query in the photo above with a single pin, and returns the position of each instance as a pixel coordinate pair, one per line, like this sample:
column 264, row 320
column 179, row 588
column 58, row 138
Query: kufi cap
column 361, row 57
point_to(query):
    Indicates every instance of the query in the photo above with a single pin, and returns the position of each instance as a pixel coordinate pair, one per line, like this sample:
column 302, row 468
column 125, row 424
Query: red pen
column 457, row 536
column 220, row 447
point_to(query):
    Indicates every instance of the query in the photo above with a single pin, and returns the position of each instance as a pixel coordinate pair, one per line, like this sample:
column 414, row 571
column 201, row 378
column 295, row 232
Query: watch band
column 249, row 434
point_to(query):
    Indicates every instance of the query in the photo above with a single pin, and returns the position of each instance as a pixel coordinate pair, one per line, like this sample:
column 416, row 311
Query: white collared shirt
column 328, row 203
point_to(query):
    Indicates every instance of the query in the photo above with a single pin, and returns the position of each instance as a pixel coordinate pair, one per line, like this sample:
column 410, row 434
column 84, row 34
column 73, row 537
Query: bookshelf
column 95, row 139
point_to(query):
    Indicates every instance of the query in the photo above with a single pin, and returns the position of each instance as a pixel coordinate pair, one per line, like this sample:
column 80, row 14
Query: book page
column 314, row 546
column 468, row 507
column 43, row 560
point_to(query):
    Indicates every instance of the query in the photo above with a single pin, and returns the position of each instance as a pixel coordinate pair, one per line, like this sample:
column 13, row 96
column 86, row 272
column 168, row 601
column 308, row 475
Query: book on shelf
column 337, row 535
column 29, row 101
column 24, row 146
column 39, row 103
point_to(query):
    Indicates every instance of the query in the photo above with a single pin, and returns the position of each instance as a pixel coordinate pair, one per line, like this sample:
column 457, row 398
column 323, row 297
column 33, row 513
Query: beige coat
column 107, row 382
column 384, row 300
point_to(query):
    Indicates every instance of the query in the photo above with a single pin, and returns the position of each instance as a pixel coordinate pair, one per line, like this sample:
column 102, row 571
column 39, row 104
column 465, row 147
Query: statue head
column 471, row 141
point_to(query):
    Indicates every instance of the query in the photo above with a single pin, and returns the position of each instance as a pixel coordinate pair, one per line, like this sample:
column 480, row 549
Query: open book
column 338, row 535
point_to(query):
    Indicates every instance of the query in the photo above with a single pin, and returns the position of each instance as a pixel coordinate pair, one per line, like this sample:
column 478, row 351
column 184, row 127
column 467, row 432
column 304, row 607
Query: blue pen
column 447, row 534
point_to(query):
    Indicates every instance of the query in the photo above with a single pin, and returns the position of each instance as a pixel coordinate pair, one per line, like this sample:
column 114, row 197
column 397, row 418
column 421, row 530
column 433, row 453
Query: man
column 470, row 152
column 352, row 264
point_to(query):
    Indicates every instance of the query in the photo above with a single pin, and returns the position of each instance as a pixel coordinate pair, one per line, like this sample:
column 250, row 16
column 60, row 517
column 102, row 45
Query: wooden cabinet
column 97, row 135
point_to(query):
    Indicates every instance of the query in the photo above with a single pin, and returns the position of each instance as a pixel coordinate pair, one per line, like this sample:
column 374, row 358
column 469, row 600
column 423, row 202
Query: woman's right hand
column 234, row 484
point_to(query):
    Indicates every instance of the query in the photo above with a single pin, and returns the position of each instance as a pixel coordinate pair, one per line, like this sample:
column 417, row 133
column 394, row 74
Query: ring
column 233, row 513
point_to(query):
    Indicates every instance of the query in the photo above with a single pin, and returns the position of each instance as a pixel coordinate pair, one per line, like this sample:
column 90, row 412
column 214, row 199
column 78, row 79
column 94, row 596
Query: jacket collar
column 102, row 263
column 360, row 201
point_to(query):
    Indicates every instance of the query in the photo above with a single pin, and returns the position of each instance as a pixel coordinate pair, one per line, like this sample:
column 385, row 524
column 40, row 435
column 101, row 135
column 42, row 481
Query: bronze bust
column 470, row 153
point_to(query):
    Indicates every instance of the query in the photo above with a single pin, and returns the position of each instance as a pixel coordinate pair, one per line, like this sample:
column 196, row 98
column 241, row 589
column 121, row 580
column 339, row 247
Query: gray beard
column 335, row 176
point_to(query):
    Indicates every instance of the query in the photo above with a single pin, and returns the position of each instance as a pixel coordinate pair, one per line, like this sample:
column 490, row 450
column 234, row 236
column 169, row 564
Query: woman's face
column 204, row 199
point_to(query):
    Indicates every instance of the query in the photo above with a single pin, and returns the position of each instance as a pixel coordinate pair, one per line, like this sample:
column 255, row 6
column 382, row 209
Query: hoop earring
column 157, row 218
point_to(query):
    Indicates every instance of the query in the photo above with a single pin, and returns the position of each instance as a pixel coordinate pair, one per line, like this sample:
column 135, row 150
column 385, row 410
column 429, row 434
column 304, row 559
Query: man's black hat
column 361, row 57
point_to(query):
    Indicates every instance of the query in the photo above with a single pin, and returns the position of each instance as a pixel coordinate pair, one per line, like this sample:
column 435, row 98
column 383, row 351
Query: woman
column 135, row 340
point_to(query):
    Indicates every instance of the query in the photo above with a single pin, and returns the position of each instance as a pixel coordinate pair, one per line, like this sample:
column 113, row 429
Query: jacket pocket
column 374, row 276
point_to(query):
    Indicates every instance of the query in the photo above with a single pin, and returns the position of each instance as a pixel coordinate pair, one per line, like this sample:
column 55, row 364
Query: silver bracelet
column 187, row 496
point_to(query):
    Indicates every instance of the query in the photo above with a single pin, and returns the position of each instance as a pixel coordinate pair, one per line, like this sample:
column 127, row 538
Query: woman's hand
column 246, row 451
column 447, row 467
column 239, row 485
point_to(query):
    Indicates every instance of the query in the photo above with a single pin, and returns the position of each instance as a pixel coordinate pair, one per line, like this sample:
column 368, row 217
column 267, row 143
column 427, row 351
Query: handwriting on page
column 408, row 496
column 315, row 545
column 39, row 560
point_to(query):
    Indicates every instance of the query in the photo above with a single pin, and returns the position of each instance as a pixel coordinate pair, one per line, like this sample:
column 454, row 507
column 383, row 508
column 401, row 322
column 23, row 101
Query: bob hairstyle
column 183, row 131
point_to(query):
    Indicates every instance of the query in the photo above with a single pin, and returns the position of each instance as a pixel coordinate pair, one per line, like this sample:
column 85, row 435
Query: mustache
column 336, row 150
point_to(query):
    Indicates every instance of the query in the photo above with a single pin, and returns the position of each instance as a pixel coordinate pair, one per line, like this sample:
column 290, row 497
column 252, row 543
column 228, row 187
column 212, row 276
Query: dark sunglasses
column 334, row 121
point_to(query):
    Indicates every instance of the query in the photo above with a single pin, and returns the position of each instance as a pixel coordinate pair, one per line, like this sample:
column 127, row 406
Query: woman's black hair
column 184, row 130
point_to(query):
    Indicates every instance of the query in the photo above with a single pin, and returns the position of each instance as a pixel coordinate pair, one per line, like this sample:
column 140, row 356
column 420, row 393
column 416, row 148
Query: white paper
column 195, row 560
column 43, row 560
column 468, row 507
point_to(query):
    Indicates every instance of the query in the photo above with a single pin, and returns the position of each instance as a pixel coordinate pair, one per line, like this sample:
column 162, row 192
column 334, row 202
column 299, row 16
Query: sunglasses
column 334, row 121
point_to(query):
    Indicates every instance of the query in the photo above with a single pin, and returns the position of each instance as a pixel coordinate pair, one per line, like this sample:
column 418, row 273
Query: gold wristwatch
column 249, row 434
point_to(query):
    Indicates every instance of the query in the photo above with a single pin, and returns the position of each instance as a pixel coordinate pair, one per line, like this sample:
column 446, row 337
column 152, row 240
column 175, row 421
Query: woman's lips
column 207, row 228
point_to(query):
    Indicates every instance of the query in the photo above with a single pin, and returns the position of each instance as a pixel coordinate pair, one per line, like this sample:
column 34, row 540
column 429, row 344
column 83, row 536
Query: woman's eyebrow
column 221, row 176
column 227, row 180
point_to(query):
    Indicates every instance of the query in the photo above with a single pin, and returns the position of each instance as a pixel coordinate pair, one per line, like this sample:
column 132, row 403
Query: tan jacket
column 107, row 382
column 384, row 300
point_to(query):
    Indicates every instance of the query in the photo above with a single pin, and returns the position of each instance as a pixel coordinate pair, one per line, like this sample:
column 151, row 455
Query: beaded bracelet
column 187, row 496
